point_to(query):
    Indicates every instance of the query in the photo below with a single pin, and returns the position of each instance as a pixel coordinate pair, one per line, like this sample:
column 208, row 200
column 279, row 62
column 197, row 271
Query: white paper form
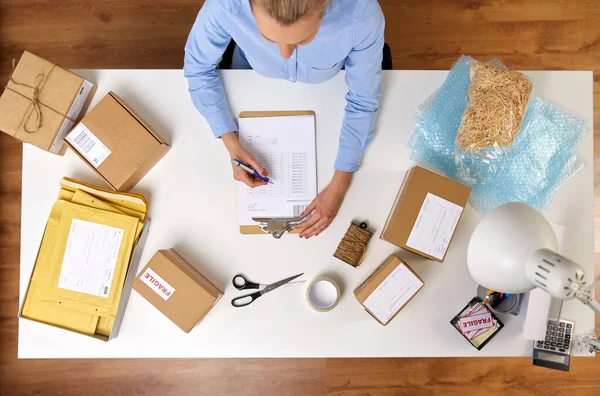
column 434, row 226
column 286, row 148
column 90, row 258
column 393, row 293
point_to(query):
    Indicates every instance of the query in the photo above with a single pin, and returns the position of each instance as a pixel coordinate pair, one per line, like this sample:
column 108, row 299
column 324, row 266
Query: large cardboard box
column 42, row 101
column 426, row 213
column 116, row 143
column 176, row 289
column 388, row 289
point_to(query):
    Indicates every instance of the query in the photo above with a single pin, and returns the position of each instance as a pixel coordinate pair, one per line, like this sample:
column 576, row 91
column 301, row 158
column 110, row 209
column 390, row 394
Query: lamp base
column 510, row 305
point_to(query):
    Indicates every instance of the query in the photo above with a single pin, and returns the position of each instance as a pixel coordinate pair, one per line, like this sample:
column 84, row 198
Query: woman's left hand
column 325, row 206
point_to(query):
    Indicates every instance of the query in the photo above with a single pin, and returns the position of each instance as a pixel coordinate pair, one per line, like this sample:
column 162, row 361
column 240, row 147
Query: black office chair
column 386, row 64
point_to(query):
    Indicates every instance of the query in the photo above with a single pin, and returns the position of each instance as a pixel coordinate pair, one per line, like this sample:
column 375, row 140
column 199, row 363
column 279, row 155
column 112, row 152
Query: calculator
column 555, row 351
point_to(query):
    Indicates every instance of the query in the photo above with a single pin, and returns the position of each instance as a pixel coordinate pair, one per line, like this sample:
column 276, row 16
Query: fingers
column 308, row 223
column 316, row 228
column 257, row 167
column 247, row 179
column 309, row 209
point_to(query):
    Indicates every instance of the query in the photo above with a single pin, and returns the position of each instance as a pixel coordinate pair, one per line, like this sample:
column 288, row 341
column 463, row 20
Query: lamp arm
column 588, row 343
column 586, row 296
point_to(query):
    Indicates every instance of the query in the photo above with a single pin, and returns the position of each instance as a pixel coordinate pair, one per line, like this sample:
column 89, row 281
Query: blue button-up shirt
column 350, row 36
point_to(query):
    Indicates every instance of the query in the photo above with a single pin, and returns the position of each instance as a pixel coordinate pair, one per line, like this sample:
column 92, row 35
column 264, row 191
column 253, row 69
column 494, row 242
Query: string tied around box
column 36, row 88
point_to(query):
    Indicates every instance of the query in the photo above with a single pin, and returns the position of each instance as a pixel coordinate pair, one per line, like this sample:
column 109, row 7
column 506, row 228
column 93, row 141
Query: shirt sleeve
column 204, row 50
column 363, row 77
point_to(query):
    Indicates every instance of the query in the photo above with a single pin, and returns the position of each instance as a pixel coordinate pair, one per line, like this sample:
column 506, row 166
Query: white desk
column 193, row 209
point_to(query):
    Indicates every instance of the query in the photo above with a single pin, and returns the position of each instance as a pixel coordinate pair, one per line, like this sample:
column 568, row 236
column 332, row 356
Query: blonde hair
column 286, row 12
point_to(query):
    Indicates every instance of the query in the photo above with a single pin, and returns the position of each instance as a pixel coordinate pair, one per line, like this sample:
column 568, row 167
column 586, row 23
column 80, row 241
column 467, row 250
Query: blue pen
column 250, row 171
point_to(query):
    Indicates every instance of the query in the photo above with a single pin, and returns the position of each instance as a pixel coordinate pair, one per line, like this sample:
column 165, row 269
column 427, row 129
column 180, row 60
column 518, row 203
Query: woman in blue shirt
column 307, row 41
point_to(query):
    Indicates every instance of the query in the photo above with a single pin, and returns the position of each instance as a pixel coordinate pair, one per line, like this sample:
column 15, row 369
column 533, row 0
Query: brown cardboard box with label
column 176, row 289
column 115, row 142
column 42, row 101
column 389, row 288
column 426, row 213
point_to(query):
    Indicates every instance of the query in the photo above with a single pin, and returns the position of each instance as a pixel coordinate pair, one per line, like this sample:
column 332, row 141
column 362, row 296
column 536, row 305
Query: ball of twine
column 353, row 245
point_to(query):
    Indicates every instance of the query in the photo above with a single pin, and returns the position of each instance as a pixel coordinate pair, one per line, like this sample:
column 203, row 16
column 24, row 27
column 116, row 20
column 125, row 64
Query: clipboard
column 274, row 226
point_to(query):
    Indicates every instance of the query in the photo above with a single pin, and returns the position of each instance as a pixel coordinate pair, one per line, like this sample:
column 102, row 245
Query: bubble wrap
column 543, row 156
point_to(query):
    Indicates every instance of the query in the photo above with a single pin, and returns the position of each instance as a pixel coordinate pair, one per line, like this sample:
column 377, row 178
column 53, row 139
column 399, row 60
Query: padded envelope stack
column 84, row 258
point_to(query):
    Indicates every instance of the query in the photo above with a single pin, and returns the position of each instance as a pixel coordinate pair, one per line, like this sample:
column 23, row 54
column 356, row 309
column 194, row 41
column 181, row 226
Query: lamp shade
column 503, row 242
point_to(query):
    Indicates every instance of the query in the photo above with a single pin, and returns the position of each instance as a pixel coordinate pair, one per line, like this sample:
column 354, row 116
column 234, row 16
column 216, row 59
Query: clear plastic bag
column 541, row 159
column 498, row 99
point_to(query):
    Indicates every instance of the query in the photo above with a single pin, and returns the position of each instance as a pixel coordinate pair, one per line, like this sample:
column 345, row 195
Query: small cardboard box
column 42, row 101
column 389, row 288
column 176, row 289
column 116, row 143
column 426, row 213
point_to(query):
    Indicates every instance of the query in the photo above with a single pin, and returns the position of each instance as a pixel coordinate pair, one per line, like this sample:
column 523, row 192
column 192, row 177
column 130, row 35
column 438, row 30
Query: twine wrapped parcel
column 35, row 93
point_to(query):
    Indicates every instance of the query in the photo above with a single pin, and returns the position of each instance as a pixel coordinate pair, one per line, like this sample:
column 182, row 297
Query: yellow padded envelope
column 82, row 198
column 91, row 258
column 124, row 201
column 38, row 304
column 105, row 324
column 47, row 303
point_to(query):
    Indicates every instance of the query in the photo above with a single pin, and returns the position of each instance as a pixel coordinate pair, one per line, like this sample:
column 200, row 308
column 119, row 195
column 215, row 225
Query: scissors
column 241, row 283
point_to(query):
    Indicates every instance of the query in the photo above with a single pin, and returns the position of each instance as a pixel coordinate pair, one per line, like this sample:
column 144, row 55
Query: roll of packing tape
column 323, row 294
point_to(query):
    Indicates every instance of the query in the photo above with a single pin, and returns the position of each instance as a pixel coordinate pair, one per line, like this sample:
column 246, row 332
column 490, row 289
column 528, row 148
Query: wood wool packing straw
column 353, row 245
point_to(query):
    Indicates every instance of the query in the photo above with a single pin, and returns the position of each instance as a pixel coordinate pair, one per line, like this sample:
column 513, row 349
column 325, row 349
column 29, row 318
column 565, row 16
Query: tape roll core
column 323, row 294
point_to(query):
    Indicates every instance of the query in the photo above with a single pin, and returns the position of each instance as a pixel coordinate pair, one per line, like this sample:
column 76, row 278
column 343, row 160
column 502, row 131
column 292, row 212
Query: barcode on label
column 85, row 142
column 105, row 290
column 298, row 209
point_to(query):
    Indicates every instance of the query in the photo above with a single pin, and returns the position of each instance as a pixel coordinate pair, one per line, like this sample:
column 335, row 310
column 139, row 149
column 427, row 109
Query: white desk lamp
column 513, row 250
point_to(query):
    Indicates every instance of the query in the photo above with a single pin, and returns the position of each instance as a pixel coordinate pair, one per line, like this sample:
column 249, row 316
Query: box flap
column 192, row 272
column 137, row 117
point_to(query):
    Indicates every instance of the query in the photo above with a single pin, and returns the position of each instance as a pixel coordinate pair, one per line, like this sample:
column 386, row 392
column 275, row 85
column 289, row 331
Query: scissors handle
column 245, row 300
column 241, row 283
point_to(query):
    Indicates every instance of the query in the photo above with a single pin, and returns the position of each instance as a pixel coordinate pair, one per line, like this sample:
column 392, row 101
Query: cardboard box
column 176, row 289
column 426, row 213
column 389, row 288
column 116, row 143
column 42, row 101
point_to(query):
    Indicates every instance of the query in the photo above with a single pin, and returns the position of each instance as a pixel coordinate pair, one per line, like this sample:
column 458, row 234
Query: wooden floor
column 423, row 34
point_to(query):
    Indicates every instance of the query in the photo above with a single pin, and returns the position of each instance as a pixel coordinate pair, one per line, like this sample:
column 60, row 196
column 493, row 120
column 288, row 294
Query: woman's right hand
column 236, row 151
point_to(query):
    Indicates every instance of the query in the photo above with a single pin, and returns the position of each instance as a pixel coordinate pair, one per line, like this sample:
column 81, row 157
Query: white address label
column 88, row 145
column 434, row 226
column 90, row 258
